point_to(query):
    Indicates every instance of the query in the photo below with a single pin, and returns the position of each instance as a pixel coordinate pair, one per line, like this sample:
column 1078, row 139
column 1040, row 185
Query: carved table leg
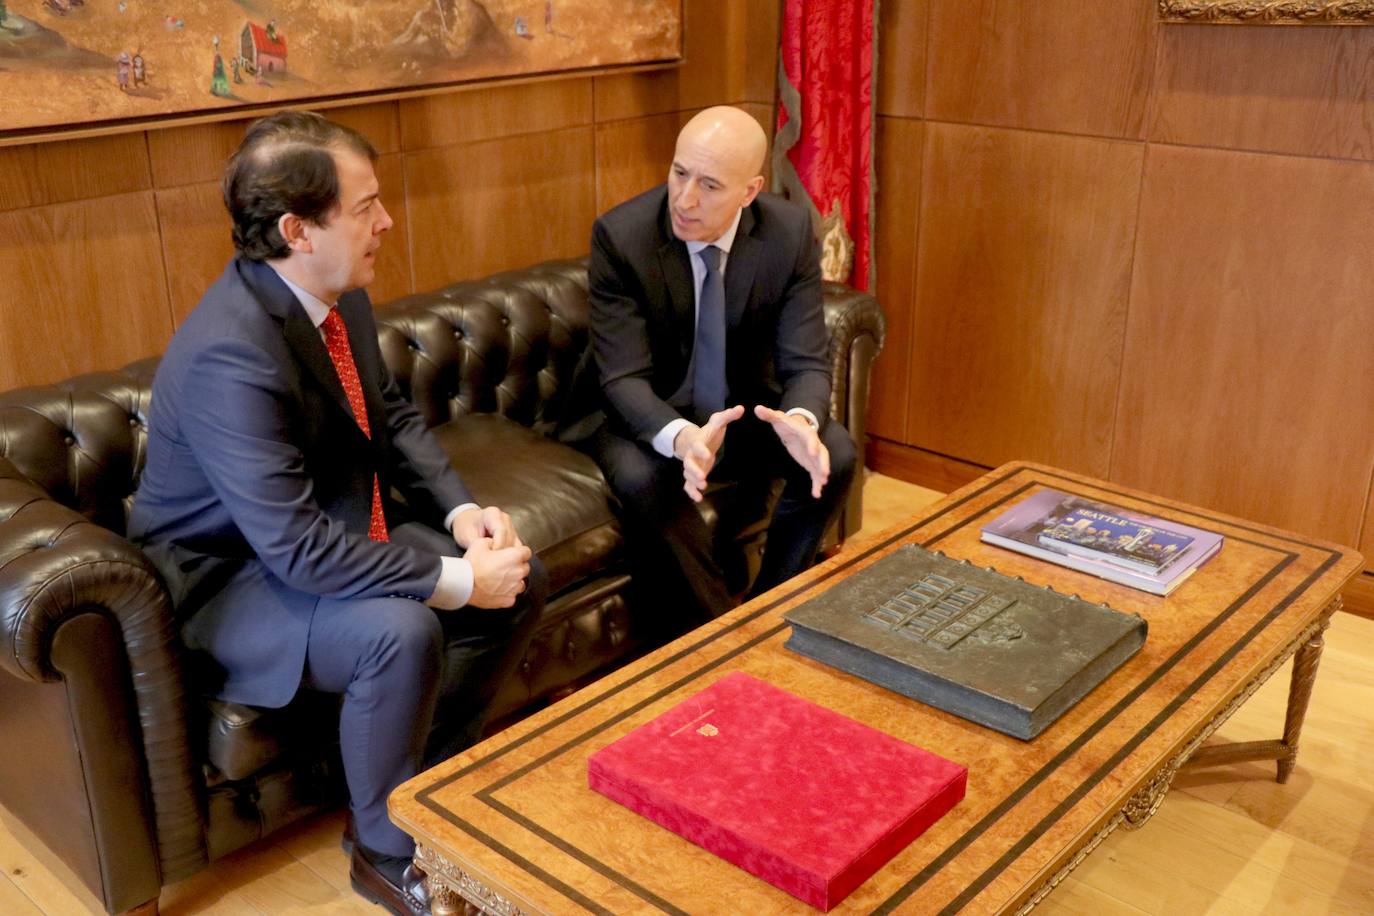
column 453, row 891
column 1305, row 662
column 1141, row 806
column 443, row 901
column 1306, row 653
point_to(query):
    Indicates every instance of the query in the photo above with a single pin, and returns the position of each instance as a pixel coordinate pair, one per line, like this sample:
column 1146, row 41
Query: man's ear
column 754, row 187
column 293, row 232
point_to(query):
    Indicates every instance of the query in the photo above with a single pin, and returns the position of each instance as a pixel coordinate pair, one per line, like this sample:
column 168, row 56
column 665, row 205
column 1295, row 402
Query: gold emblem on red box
column 708, row 730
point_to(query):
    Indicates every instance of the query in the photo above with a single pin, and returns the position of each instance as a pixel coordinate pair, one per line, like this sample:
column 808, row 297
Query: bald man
column 711, row 348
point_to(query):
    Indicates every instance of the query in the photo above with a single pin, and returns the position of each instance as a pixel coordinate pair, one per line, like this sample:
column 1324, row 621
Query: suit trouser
column 396, row 662
column 665, row 530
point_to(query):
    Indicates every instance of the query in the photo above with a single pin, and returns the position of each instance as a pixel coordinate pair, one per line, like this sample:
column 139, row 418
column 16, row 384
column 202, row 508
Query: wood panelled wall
column 106, row 244
column 1136, row 250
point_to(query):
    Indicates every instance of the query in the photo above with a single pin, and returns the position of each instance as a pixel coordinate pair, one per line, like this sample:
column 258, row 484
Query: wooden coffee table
column 511, row 826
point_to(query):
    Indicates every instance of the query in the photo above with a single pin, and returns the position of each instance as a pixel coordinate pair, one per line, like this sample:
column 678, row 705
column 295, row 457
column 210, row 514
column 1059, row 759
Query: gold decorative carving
column 450, row 887
column 1146, row 801
column 837, row 247
column 1086, row 850
column 1269, row 12
column 444, row 902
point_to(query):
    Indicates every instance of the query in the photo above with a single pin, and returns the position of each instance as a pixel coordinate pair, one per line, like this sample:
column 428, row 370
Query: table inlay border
column 1036, row 477
column 978, row 884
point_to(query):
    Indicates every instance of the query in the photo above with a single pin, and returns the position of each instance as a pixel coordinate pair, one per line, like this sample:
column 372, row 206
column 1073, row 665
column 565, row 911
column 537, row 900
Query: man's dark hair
column 285, row 164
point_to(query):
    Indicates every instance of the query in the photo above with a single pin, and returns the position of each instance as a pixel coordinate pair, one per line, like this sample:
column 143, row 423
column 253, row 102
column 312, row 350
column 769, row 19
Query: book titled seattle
column 1152, row 554
column 809, row 800
column 994, row 650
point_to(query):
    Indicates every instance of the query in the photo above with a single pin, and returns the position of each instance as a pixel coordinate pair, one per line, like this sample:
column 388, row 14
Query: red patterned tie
column 336, row 341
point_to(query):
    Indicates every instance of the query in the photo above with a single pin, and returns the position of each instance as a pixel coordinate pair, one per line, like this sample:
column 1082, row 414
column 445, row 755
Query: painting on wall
column 67, row 64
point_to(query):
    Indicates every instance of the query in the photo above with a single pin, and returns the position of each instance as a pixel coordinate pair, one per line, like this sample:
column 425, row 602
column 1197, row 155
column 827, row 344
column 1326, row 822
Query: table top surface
column 515, row 812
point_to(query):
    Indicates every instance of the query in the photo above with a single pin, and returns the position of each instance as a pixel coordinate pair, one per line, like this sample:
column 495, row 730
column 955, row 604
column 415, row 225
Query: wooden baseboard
column 1359, row 596
column 918, row 466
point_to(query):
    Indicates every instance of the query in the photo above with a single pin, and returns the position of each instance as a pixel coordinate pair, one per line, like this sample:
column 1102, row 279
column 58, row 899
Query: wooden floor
column 1226, row 840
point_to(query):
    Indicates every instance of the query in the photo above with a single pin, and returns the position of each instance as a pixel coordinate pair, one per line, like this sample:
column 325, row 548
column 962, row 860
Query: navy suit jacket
column 257, row 490
column 643, row 312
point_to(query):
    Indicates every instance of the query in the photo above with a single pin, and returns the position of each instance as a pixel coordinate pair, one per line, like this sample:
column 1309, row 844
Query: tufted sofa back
column 511, row 344
column 515, row 343
column 83, row 440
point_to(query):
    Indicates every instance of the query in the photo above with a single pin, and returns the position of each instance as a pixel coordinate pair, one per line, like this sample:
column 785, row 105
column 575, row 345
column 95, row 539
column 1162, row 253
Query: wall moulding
column 1269, row 12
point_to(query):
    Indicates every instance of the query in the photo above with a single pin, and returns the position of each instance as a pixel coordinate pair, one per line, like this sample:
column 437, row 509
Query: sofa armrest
column 91, row 668
column 857, row 327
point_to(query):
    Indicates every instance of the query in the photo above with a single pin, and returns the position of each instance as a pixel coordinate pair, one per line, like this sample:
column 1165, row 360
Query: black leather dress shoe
column 394, row 882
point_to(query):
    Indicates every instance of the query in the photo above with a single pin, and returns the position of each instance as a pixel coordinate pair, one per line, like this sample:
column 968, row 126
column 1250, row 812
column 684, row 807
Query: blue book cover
column 1104, row 533
column 1130, row 548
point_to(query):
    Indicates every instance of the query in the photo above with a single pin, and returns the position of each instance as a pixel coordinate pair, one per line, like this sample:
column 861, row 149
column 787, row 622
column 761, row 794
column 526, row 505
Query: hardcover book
column 994, row 650
column 1103, row 534
column 1141, row 551
column 809, row 800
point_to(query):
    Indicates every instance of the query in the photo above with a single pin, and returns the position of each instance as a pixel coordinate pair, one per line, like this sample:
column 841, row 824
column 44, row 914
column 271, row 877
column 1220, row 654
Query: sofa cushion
column 243, row 740
column 555, row 495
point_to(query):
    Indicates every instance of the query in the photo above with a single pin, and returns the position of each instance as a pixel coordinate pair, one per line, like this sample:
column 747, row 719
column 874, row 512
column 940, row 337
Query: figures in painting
column 61, row 56
column 219, row 81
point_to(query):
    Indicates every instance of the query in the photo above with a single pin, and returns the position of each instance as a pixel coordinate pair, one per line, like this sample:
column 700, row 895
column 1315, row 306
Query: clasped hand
column 697, row 447
column 500, row 560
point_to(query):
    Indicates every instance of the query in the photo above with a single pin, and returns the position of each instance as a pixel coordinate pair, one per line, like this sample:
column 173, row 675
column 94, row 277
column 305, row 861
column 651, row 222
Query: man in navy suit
column 705, row 302
column 276, row 440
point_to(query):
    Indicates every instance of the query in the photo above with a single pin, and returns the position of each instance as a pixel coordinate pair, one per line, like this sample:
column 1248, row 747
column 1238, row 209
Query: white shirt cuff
column 455, row 584
column 448, row 519
column 810, row 417
column 663, row 442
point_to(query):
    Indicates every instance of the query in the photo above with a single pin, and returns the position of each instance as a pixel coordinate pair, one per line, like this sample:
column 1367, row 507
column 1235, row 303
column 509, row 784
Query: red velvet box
column 805, row 798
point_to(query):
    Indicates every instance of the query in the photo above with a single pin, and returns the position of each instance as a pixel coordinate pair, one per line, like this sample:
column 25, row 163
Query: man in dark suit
column 705, row 300
column 276, row 437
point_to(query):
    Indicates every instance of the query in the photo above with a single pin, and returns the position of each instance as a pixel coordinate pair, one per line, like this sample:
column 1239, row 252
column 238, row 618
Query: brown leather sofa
column 106, row 752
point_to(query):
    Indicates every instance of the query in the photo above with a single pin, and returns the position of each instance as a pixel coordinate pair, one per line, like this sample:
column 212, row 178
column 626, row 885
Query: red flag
column 823, row 152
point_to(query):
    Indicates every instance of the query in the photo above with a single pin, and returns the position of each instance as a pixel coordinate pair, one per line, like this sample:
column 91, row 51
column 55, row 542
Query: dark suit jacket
column 643, row 312
column 256, row 493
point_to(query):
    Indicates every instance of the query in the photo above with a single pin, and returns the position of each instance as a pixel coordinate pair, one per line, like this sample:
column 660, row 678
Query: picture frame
column 1269, row 12
column 76, row 68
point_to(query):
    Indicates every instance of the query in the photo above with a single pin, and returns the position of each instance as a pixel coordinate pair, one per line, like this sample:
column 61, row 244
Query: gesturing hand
column 802, row 442
column 490, row 522
column 498, row 575
column 697, row 447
